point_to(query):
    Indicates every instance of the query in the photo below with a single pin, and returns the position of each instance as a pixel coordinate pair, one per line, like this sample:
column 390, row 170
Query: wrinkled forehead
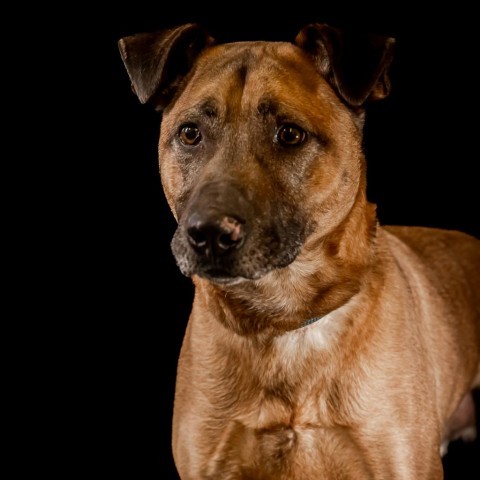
column 241, row 78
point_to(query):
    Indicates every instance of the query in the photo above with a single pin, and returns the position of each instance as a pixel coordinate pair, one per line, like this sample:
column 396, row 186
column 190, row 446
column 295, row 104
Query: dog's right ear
column 157, row 62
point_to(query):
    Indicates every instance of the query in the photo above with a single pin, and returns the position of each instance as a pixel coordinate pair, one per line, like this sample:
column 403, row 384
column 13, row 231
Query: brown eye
column 290, row 135
column 189, row 134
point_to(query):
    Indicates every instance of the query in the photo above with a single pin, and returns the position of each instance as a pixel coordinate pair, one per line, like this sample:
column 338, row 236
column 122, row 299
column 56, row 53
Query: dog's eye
column 290, row 135
column 189, row 134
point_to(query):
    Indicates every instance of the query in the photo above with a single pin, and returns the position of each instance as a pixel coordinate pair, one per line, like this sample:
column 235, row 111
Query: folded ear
column 157, row 62
column 354, row 64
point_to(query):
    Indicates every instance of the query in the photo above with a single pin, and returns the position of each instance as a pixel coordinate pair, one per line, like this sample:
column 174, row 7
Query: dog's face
column 255, row 129
column 251, row 130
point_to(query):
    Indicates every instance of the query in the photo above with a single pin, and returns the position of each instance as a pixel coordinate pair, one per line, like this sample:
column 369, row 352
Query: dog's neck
column 327, row 273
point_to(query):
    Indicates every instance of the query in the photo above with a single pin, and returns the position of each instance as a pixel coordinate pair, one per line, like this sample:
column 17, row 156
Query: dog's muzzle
column 212, row 231
column 225, row 236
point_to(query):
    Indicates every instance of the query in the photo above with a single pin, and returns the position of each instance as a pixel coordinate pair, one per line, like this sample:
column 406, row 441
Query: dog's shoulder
column 438, row 246
column 446, row 260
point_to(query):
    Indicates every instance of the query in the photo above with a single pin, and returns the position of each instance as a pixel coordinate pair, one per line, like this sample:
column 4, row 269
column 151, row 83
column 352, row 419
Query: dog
column 320, row 345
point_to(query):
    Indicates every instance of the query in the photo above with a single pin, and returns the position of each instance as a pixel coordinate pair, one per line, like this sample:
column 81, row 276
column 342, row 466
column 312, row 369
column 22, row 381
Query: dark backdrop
column 421, row 152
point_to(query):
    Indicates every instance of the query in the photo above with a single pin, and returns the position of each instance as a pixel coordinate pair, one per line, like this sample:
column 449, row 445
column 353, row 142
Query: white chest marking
column 318, row 336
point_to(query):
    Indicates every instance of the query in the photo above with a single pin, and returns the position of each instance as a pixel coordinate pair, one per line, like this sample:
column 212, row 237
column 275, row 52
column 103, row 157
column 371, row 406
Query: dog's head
column 260, row 146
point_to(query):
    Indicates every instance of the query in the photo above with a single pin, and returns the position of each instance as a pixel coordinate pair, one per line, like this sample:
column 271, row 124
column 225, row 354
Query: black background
column 132, row 311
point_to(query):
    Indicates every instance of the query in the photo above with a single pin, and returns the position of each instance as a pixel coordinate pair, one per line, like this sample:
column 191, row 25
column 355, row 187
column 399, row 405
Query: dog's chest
column 288, row 403
column 279, row 440
column 292, row 377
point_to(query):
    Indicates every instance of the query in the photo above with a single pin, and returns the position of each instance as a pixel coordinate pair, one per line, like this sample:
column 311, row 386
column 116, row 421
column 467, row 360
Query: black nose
column 214, row 234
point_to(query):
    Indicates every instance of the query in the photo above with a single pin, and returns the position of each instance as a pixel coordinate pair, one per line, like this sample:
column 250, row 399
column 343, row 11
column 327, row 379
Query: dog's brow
column 271, row 107
column 267, row 107
column 209, row 108
column 206, row 108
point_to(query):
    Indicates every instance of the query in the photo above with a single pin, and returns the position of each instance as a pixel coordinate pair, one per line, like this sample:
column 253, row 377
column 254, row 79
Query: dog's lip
column 220, row 276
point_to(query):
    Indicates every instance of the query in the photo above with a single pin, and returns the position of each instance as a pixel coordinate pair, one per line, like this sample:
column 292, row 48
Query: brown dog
column 320, row 345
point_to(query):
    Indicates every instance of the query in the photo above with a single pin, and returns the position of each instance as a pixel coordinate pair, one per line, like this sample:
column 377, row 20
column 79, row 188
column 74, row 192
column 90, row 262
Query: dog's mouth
column 261, row 253
column 221, row 277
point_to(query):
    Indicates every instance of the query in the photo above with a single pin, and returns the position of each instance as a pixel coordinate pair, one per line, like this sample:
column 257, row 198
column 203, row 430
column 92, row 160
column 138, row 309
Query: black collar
column 308, row 322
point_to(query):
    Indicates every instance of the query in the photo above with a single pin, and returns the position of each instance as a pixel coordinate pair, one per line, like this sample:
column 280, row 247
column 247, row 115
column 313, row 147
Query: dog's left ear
column 355, row 65
column 157, row 62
